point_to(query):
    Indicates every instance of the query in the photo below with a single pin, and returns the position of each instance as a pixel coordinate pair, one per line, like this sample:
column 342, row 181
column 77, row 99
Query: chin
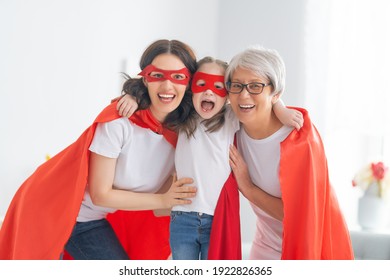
column 207, row 115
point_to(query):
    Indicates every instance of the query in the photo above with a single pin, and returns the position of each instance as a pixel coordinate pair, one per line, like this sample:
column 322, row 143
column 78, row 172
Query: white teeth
column 247, row 106
column 166, row 95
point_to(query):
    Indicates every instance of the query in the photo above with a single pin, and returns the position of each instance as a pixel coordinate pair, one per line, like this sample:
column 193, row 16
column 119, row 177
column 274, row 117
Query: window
column 348, row 86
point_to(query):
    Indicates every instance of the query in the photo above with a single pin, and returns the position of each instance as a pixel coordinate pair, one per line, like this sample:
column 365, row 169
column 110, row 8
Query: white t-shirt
column 205, row 158
column 263, row 158
column 145, row 160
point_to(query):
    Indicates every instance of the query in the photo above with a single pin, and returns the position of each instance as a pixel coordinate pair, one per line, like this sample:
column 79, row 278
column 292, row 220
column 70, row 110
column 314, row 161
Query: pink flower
column 378, row 170
column 374, row 175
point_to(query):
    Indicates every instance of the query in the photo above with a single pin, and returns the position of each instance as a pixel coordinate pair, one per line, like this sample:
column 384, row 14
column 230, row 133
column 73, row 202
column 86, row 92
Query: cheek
column 220, row 103
column 232, row 100
column 196, row 97
column 181, row 89
column 152, row 87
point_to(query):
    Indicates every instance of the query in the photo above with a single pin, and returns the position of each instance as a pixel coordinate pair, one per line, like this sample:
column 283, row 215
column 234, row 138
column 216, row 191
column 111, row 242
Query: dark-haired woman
column 116, row 164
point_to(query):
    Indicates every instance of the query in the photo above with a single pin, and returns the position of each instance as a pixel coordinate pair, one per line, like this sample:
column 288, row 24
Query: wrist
column 162, row 201
column 245, row 187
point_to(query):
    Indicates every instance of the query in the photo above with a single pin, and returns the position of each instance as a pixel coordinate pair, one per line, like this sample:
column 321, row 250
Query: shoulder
column 308, row 132
column 231, row 118
column 120, row 127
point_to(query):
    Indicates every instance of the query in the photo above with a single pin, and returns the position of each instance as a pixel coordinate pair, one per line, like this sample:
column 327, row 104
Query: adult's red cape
column 313, row 225
column 42, row 214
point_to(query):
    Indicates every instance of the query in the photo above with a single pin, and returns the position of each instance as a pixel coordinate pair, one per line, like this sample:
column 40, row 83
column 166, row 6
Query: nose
column 244, row 93
column 166, row 83
column 208, row 92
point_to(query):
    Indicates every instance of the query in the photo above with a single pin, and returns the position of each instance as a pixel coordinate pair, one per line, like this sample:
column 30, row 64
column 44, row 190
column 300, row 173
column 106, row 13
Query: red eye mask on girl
column 154, row 74
column 203, row 81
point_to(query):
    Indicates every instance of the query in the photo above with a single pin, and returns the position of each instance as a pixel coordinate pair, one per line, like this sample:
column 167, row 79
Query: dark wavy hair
column 136, row 88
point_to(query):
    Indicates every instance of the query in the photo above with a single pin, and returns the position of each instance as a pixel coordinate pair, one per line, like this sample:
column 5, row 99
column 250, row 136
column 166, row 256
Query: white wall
column 60, row 64
column 275, row 24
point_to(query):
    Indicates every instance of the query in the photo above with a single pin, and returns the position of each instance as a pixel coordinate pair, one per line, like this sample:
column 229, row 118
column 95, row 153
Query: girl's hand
column 288, row 116
column 126, row 106
column 179, row 193
column 291, row 117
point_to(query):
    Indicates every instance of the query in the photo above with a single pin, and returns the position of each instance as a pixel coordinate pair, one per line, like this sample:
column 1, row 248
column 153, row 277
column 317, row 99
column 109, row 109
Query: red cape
column 225, row 237
column 42, row 214
column 313, row 225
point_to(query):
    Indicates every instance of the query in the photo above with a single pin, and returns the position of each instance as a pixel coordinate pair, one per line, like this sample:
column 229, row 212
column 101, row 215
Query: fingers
column 298, row 120
column 126, row 106
column 233, row 153
column 183, row 181
column 120, row 101
column 234, row 157
column 131, row 111
column 183, row 193
column 125, row 109
column 297, row 125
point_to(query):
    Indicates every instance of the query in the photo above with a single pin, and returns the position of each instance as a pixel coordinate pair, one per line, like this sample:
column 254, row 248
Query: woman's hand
column 179, row 193
column 240, row 169
column 268, row 203
column 126, row 106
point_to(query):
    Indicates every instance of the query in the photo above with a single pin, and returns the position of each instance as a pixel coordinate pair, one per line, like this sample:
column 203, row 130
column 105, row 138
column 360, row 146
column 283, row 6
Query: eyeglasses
column 252, row 88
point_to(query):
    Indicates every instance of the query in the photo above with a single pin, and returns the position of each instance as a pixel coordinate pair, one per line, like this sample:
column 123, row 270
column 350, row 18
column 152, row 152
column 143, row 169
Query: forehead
column 244, row 74
column 168, row 61
column 211, row 68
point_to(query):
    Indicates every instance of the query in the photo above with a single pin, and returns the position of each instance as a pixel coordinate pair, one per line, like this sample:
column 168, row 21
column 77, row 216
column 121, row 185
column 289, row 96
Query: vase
column 373, row 210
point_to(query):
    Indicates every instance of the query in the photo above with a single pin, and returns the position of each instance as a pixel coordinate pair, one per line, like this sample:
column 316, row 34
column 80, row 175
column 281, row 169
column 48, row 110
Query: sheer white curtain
column 348, row 86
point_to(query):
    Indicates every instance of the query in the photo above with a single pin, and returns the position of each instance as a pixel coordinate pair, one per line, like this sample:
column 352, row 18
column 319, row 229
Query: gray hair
column 266, row 63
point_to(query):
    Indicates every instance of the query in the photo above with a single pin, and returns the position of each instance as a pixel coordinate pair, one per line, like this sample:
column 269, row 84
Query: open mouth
column 207, row 105
column 244, row 107
column 166, row 97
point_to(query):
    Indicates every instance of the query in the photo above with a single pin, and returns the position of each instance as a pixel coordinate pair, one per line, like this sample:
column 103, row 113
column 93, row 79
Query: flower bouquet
column 374, row 175
column 373, row 206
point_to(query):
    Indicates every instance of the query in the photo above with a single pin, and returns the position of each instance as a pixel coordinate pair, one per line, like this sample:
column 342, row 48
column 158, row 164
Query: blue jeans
column 95, row 240
column 190, row 235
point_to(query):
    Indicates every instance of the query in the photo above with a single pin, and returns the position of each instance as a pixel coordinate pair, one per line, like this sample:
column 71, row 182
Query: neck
column 260, row 129
column 158, row 115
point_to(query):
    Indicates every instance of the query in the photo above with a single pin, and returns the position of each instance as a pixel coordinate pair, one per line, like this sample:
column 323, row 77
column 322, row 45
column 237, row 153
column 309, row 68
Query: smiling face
column 165, row 94
column 252, row 110
column 208, row 102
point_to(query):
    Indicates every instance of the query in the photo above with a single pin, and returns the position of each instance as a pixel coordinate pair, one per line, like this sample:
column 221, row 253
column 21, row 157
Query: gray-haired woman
column 281, row 171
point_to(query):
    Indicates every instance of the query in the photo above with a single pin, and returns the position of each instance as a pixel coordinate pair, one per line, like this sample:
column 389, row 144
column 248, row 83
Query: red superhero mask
column 210, row 82
column 154, row 74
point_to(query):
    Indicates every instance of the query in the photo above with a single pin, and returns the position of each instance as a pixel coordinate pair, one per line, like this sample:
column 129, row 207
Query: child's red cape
column 225, row 237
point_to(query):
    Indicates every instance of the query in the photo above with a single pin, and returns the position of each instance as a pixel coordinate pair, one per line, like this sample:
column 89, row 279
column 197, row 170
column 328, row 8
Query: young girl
column 202, row 153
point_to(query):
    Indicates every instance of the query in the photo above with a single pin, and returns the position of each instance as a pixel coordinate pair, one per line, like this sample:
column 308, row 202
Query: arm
column 100, row 181
column 272, row 205
column 288, row 116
